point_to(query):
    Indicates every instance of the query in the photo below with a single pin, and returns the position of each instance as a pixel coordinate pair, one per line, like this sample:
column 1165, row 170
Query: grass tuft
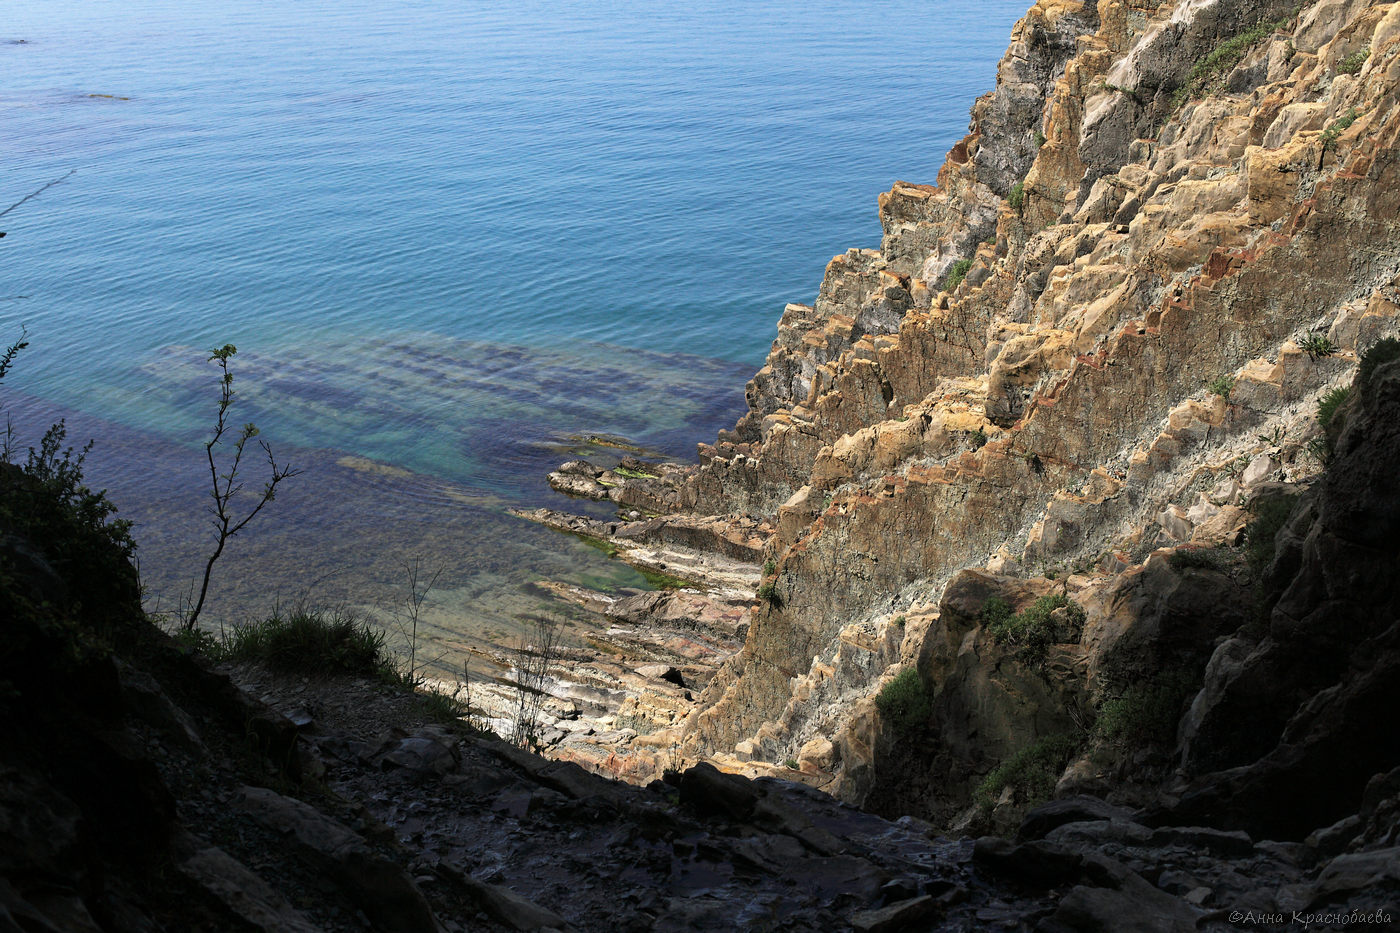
column 312, row 642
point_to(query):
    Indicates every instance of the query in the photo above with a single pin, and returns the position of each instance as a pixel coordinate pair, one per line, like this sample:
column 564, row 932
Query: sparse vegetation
column 1119, row 89
column 447, row 707
column 1211, row 69
column 1378, row 354
column 1204, row 558
column 534, row 652
column 1017, row 197
column 770, row 567
column 1352, row 63
column 768, row 591
column 956, row 274
column 791, row 764
column 1337, row 127
column 1032, row 772
column 633, row 474
column 47, row 509
column 904, row 702
column 1221, row 386
column 1039, row 139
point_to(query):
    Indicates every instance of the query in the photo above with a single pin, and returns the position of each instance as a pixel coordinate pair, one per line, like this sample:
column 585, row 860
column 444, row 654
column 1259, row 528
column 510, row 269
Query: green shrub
column 1270, row 515
column 956, row 274
column 1328, row 405
column 1206, row 558
column 1338, row 127
column 995, row 612
column 1353, row 62
column 1039, row 139
column 770, row 567
column 1221, row 386
column 768, row 590
column 312, row 642
column 791, row 764
column 1017, row 197
column 1032, row 772
column 903, row 702
column 1145, row 714
column 1034, row 629
column 1378, row 354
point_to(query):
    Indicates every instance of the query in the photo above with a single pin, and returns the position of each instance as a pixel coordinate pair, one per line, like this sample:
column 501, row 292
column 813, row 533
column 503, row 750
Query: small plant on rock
column 1034, row 629
column 1317, row 346
column 1145, row 713
column 1352, row 63
column 1270, row 515
column 1017, row 197
column 768, row 591
column 1221, row 386
column 1202, row 558
column 956, row 274
column 1338, row 127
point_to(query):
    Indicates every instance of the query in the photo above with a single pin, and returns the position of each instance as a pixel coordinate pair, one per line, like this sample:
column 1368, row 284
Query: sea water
column 449, row 239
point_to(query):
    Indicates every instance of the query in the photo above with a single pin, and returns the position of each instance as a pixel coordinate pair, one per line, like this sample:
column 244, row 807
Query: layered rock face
column 1099, row 339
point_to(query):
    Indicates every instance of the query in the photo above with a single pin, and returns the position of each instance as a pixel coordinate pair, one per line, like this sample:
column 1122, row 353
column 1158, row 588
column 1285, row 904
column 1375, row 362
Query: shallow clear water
column 446, row 236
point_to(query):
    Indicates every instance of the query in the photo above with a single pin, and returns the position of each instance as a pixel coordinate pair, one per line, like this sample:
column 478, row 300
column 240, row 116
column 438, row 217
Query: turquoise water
column 446, row 236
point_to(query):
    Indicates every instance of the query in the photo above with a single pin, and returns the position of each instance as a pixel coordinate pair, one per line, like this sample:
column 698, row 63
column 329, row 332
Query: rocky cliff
column 1079, row 367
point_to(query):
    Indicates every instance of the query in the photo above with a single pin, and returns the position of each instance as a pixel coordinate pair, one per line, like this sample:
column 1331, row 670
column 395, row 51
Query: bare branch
column 225, row 487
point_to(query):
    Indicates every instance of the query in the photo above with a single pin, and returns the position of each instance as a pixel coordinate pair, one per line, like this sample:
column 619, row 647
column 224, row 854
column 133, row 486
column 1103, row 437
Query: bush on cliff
column 956, row 274
column 1224, row 57
column 66, row 578
column 1145, row 713
column 1032, row 773
column 1034, row 629
column 904, row 702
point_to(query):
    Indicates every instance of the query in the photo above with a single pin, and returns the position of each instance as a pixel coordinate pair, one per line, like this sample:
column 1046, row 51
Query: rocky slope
column 1173, row 229
column 145, row 791
column 1077, row 369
